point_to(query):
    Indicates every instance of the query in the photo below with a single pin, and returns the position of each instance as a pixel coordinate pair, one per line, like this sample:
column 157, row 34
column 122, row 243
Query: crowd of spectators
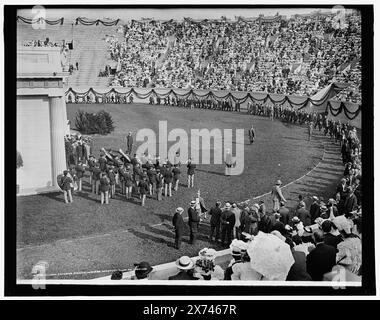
column 288, row 56
column 42, row 43
column 316, row 243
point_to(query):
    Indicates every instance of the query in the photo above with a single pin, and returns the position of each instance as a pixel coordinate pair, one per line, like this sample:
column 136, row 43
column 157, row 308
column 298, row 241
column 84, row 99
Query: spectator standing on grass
column 284, row 213
column 179, row 227
column 66, row 183
column 351, row 202
column 310, row 129
column 104, row 188
column 303, row 214
column 193, row 221
column 250, row 219
column 236, row 229
column 215, row 213
column 314, row 209
column 227, row 222
column 190, row 173
column 129, row 139
column 277, row 195
column 77, row 65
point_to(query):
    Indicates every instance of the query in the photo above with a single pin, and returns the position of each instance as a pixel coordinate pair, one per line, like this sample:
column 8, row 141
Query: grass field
column 280, row 151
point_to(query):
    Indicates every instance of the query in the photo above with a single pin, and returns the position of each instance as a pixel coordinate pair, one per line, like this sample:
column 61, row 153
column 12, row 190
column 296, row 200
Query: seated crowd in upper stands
column 289, row 56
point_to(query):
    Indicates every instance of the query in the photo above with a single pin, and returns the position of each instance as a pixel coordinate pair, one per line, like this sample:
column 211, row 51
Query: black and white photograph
column 181, row 147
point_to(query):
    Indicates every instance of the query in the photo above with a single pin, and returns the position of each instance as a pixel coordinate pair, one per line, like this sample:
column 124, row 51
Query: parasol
column 270, row 256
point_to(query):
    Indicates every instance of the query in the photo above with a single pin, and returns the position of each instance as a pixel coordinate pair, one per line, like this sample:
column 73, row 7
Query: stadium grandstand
column 294, row 80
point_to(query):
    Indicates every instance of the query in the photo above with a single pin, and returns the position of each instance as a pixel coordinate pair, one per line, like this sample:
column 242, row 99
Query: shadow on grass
column 164, row 217
column 57, row 196
column 146, row 236
column 86, row 195
column 211, row 172
column 157, row 231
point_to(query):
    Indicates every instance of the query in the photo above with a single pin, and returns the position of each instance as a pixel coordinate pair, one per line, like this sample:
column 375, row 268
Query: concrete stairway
column 90, row 48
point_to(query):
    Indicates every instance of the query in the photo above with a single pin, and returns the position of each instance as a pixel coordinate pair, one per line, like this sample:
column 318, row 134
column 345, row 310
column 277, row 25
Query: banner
column 87, row 22
column 351, row 110
column 39, row 20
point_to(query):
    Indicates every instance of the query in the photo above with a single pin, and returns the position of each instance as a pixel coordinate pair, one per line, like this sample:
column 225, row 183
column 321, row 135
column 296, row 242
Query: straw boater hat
column 192, row 203
column 227, row 205
column 278, row 182
column 184, row 263
column 315, row 198
column 179, row 210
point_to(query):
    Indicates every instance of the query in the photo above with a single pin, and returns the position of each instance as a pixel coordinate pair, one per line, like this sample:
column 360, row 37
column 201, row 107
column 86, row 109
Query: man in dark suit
column 193, row 221
column 179, row 226
column 351, row 202
column 321, row 259
column 314, row 209
column 251, row 134
column 215, row 214
column 284, row 213
column 332, row 236
column 186, row 267
column 227, row 221
column 303, row 214
column 129, row 143
column 298, row 270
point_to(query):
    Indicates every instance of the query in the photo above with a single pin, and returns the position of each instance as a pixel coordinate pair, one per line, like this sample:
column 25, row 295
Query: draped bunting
column 298, row 102
column 88, row 22
column 39, row 20
column 342, row 107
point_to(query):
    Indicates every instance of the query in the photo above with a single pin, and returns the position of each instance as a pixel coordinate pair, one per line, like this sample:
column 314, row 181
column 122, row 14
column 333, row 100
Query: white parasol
column 270, row 256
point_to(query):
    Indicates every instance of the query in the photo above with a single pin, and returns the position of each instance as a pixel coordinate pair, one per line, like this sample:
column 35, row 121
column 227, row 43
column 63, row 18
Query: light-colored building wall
column 41, row 119
column 33, row 142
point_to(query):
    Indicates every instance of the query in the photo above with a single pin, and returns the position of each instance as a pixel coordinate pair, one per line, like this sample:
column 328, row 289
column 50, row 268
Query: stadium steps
column 90, row 48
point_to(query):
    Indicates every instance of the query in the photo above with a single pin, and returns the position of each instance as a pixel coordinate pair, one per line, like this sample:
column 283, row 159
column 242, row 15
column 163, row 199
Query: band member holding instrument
column 104, row 188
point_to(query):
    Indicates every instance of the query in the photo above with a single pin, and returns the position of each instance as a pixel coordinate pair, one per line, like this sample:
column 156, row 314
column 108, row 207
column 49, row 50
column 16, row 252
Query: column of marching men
column 273, row 111
column 117, row 171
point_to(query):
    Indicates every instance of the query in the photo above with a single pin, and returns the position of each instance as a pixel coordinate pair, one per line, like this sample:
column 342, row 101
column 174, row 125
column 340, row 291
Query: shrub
column 91, row 123
column 19, row 160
